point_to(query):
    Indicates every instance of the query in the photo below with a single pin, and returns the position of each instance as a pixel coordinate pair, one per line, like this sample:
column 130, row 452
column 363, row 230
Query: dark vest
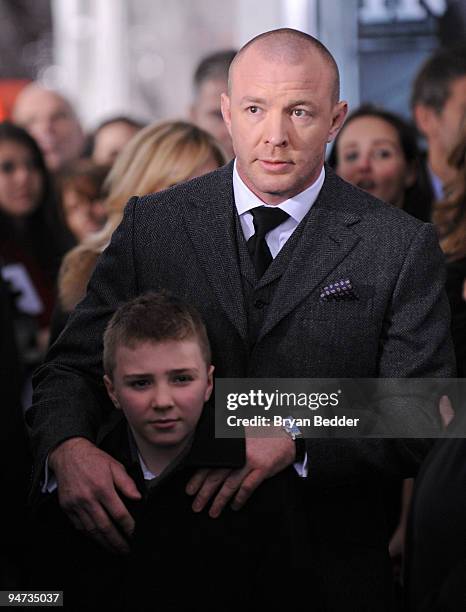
column 258, row 293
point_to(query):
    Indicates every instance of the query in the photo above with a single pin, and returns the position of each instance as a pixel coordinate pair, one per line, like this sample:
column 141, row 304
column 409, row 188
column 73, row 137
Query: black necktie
column 265, row 220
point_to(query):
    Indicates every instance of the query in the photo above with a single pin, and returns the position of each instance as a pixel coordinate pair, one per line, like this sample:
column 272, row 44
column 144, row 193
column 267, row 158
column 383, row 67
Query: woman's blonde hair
column 159, row 156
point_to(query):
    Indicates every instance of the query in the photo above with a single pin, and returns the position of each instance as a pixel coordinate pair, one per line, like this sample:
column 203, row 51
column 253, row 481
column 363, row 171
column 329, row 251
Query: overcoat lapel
column 327, row 238
column 210, row 224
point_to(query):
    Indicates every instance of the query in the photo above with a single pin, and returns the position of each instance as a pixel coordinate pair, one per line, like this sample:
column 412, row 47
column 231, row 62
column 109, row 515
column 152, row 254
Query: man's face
column 280, row 116
column 452, row 115
column 441, row 129
column 161, row 388
column 207, row 114
column 51, row 121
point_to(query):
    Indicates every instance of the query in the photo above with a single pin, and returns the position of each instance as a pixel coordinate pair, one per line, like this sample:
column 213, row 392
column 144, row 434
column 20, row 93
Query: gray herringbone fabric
column 184, row 239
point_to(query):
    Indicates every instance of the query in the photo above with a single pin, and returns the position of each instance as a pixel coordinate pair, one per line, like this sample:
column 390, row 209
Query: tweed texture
column 184, row 239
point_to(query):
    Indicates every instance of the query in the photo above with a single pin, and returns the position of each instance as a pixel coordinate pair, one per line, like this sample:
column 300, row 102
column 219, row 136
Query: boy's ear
column 111, row 391
column 210, row 382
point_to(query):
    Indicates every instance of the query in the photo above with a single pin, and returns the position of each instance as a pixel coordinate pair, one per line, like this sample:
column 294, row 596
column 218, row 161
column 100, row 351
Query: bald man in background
column 51, row 120
column 261, row 290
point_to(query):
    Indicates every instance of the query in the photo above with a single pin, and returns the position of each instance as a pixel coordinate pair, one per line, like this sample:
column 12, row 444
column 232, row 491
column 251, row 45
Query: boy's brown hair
column 153, row 317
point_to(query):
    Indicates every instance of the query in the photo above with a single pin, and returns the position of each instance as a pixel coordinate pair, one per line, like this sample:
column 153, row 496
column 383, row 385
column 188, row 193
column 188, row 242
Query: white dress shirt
column 437, row 185
column 297, row 207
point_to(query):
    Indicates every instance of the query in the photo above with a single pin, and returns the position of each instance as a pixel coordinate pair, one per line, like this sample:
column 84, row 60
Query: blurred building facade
column 137, row 56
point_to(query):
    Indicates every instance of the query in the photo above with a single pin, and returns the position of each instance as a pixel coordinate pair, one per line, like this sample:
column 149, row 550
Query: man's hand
column 88, row 479
column 265, row 457
column 446, row 411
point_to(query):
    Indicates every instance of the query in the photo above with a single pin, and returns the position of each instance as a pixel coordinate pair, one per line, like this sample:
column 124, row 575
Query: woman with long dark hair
column 32, row 238
column 377, row 151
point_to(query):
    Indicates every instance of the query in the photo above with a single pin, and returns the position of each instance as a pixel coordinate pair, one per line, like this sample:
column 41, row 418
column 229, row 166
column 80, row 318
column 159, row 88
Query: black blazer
column 184, row 240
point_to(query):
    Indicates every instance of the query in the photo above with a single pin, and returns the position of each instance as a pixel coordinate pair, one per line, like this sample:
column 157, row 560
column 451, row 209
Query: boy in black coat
column 158, row 376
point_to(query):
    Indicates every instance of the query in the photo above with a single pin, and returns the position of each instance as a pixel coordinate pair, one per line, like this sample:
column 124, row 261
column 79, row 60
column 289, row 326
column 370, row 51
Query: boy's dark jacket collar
column 206, row 450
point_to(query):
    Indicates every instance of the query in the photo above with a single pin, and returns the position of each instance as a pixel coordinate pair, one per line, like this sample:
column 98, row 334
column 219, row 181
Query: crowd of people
column 139, row 257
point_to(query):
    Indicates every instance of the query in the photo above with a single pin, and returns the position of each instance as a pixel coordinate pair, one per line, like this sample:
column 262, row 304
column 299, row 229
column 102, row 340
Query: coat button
column 260, row 304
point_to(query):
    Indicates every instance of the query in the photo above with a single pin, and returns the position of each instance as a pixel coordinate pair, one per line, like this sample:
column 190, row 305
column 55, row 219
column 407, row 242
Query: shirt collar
column 437, row 185
column 136, row 456
column 297, row 206
column 148, row 475
column 146, row 472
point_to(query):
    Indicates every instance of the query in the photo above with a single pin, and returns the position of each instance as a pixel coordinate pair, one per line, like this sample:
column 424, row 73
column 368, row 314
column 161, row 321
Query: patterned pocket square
column 338, row 290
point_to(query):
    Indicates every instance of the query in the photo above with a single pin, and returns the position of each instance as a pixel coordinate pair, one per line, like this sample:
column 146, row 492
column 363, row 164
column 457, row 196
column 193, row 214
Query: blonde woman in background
column 159, row 156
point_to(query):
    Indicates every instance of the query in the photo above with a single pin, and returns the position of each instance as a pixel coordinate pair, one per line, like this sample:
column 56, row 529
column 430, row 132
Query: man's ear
column 111, row 390
column 340, row 110
column 424, row 118
column 225, row 105
column 210, row 382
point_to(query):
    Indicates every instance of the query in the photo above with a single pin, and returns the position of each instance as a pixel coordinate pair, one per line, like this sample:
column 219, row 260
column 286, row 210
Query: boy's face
column 161, row 387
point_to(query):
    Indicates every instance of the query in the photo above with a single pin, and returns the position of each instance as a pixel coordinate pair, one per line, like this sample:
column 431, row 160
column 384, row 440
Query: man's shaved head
column 35, row 92
column 288, row 46
column 282, row 110
column 51, row 120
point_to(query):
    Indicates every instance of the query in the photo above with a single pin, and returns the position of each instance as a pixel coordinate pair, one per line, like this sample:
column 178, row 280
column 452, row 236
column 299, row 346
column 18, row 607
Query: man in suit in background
column 209, row 82
column 438, row 103
column 254, row 246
